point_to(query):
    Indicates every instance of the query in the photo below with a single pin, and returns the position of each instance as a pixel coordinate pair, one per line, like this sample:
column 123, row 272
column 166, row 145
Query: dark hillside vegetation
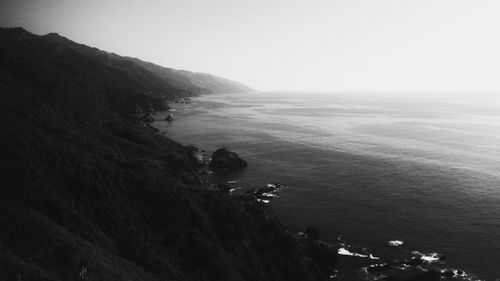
column 127, row 84
column 89, row 195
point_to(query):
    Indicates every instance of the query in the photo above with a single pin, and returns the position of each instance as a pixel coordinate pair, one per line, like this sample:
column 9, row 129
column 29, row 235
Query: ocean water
column 367, row 168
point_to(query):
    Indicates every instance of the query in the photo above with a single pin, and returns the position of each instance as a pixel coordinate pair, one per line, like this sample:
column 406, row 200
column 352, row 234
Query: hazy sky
column 290, row 45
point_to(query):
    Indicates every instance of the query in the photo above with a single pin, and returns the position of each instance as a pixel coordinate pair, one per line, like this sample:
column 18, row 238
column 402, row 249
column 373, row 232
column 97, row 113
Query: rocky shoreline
column 416, row 267
column 92, row 192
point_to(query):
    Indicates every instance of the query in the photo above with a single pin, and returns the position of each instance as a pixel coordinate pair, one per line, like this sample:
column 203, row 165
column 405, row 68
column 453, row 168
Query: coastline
column 460, row 274
column 92, row 193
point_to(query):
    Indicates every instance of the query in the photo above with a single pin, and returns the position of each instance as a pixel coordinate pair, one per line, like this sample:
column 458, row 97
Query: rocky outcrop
column 223, row 159
column 170, row 117
column 266, row 193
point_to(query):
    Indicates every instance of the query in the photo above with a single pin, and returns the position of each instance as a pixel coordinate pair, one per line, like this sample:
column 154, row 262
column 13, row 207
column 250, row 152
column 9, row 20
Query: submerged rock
column 170, row 117
column 264, row 194
column 223, row 159
column 396, row 243
column 265, row 191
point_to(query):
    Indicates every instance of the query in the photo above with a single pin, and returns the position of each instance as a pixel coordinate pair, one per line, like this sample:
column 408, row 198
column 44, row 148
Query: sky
column 302, row 45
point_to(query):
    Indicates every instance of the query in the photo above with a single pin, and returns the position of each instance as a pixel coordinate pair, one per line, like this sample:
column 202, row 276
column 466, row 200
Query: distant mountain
column 128, row 84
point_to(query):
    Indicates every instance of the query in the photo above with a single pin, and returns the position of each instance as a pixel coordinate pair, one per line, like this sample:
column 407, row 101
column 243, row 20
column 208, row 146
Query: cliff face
column 89, row 195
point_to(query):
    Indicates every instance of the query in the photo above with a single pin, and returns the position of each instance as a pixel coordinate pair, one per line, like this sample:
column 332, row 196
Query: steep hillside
column 127, row 84
column 89, row 195
column 169, row 80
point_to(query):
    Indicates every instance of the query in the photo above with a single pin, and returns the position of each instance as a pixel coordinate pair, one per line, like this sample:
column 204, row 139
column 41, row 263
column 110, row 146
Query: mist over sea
column 368, row 167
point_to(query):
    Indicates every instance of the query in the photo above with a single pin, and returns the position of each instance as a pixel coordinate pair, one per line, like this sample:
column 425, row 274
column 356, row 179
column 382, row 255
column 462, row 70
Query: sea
column 386, row 174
